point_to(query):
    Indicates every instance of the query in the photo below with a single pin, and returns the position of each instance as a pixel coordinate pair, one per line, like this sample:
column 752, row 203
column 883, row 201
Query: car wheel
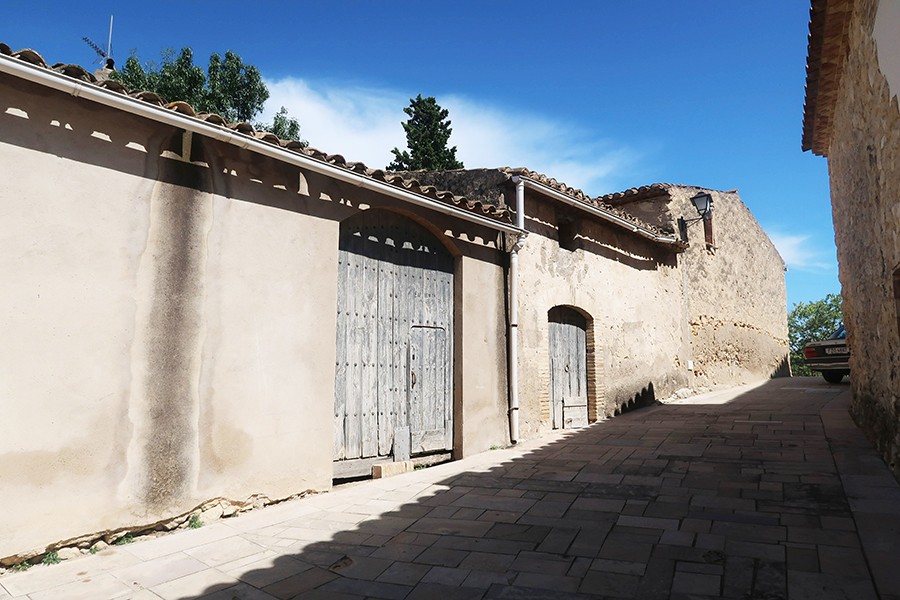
column 833, row 376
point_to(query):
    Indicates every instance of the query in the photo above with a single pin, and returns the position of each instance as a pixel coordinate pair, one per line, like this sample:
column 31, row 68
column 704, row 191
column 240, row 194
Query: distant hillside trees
column 427, row 134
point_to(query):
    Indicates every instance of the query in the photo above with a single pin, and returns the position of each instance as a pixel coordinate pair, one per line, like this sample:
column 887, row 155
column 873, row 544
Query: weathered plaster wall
column 169, row 321
column 481, row 420
column 631, row 290
column 67, row 311
column 157, row 341
column 864, row 168
column 735, row 294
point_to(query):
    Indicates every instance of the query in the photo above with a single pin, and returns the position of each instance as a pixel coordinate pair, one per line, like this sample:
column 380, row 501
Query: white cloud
column 363, row 124
column 800, row 253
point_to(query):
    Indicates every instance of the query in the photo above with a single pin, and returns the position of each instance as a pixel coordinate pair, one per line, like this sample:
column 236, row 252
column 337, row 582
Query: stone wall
column 629, row 288
column 734, row 289
column 735, row 294
column 658, row 320
column 864, row 169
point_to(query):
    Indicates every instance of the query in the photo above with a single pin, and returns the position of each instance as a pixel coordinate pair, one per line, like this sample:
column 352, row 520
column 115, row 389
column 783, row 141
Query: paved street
column 763, row 492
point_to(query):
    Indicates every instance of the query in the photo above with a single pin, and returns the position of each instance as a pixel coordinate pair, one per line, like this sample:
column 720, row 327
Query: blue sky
column 602, row 95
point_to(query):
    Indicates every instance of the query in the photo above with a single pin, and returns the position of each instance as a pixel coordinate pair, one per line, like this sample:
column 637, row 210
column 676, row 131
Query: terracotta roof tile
column 474, row 204
column 498, row 213
column 182, row 107
column 149, row 97
column 549, row 182
column 829, row 22
column 74, row 71
column 601, row 202
column 267, row 136
column 635, row 193
column 112, row 85
column 30, row 56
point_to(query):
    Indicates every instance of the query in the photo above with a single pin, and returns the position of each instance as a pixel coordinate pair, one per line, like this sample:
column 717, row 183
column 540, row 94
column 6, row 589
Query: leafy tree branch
column 228, row 87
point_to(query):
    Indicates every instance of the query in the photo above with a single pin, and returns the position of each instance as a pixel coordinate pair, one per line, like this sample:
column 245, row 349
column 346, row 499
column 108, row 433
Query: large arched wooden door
column 568, row 367
column 393, row 372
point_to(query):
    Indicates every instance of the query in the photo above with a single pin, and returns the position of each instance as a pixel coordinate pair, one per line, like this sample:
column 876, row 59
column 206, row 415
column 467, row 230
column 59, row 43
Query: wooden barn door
column 429, row 386
column 394, row 340
column 568, row 367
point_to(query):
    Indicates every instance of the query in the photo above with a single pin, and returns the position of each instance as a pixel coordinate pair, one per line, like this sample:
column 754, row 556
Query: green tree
column 427, row 133
column 229, row 87
column 811, row 321
column 283, row 126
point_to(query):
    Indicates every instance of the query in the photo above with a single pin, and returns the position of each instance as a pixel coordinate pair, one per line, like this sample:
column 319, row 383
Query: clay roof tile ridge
column 182, row 107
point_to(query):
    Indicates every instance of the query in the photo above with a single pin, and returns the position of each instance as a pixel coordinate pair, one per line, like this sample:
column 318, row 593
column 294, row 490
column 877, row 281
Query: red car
column 831, row 356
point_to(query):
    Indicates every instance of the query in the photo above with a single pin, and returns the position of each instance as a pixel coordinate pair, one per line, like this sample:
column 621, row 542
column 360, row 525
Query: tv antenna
column 105, row 57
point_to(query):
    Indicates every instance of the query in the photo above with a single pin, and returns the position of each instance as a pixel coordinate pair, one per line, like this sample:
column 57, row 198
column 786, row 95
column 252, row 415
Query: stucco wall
column 68, row 323
column 481, row 420
column 631, row 290
column 156, row 346
column 169, row 321
column 864, row 169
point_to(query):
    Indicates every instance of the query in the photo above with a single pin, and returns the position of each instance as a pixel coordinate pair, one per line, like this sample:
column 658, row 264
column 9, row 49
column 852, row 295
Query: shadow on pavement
column 730, row 500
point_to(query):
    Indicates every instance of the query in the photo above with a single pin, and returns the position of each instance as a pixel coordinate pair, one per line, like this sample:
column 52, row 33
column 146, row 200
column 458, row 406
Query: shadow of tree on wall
column 655, row 503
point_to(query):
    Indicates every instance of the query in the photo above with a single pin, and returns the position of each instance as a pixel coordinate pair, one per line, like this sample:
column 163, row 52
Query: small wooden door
column 568, row 368
column 394, row 344
column 429, row 385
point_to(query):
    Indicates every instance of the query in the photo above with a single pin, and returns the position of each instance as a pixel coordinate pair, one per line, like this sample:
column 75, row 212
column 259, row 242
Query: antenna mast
column 96, row 47
column 109, row 44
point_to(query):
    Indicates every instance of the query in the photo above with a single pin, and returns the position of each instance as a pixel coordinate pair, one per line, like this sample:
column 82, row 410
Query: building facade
column 852, row 118
column 619, row 307
column 194, row 310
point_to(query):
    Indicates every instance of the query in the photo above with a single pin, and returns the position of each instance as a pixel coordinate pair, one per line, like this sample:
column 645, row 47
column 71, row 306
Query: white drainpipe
column 514, row 311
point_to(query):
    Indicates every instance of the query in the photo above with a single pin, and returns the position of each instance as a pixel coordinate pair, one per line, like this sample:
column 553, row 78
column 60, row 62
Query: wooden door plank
column 340, row 370
column 385, row 393
column 355, row 337
column 368, row 429
column 401, row 337
column 446, row 322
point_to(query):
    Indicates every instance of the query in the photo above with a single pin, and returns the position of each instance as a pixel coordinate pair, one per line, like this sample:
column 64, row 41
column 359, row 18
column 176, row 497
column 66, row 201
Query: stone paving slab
column 765, row 491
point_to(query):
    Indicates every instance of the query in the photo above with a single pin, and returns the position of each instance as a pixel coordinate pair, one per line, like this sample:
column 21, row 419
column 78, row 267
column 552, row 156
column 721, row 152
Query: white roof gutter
column 599, row 212
column 93, row 93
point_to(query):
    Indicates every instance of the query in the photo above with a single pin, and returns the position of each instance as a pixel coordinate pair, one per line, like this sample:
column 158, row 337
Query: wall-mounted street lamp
column 703, row 202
